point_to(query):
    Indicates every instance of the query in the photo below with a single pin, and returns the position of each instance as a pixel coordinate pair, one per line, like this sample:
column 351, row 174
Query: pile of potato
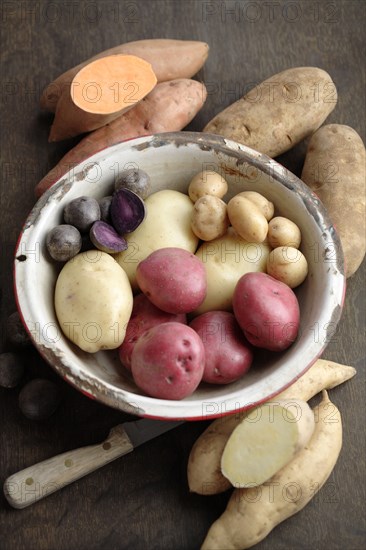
column 185, row 324
column 251, row 217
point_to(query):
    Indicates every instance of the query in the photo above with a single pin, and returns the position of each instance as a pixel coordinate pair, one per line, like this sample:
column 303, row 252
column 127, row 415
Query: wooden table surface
column 142, row 501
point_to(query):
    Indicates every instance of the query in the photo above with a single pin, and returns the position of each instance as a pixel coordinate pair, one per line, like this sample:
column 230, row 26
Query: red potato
column 170, row 59
column 168, row 361
column 228, row 354
column 173, row 279
column 143, row 317
column 168, row 108
column 267, row 311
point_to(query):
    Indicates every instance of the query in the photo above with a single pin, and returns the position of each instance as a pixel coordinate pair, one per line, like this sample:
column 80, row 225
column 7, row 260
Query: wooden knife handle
column 42, row 479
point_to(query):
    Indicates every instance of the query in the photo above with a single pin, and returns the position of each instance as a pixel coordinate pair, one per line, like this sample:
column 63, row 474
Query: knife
column 42, row 479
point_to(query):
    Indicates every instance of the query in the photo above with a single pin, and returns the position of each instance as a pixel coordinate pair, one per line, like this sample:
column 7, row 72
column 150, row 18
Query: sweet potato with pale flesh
column 170, row 59
column 101, row 92
column 266, row 440
column 204, row 469
column 280, row 112
column 252, row 513
column 335, row 169
column 168, row 108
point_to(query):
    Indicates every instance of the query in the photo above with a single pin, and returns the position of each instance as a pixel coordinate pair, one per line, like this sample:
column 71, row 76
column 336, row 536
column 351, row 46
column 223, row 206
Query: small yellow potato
column 264, row 205
column 226, row 259
column 248, row 519
column 209, row 218
column 93, row 301
column 167, row 224
column 247, row 219
column 207, row 182
column 283, row 232
column 288, row 265
column 266, row 440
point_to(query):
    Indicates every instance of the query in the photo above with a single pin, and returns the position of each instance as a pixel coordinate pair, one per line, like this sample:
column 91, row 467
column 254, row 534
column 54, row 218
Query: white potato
column 283, row 232
column 209, row 218
column 207, row 183
column 226, row 259
column 288, row 265
column 93, row 301
column 264, row 205
column 247, row 219
column 167, row 224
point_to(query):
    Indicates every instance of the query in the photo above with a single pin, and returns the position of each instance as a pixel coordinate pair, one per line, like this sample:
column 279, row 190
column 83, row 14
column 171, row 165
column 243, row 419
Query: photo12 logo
column 68, row 12
column 237, row 11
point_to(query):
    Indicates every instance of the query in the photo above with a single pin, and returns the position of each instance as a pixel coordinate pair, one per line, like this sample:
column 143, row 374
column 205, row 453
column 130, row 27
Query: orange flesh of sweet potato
column 112, row 83
column 170, row 59
column 168, row 108
column 100, row 92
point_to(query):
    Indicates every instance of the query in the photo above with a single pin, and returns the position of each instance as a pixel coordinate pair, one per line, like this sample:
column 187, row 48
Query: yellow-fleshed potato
column 93, row 301
column 247, row 219
column 167, row 224
column 226, row 259
column 264, row 205
column 335, row 169
column 288, row 265
column 283, row 232
column 280, row 112
column 207, row 182
column 209, row 218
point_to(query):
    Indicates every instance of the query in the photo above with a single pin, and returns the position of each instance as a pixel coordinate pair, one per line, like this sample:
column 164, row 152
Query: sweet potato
column 266, row 440
column 101, row 92
column 334, row 169
column 170, row 59
column 278, row 113
column 204, row 472
column 168, row 108
column 252, row 513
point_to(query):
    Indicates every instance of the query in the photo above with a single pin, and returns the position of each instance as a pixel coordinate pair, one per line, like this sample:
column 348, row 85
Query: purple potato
column 63, row 242
column 105, row 238
column 82, row 213
column 127, row 211
column 39, row 399
column 135, row 180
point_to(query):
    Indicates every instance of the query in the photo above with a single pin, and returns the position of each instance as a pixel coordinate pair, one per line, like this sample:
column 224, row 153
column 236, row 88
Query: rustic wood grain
column 141, row 501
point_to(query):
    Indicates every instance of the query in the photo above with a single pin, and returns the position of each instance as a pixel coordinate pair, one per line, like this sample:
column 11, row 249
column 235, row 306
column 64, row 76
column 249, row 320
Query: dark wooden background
column 141, row 501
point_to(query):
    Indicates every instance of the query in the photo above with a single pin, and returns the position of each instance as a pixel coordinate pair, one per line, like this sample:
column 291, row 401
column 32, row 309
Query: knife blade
column 40, row 480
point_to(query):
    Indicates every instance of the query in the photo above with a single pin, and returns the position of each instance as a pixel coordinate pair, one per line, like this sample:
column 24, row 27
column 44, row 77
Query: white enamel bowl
column 171, row 160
